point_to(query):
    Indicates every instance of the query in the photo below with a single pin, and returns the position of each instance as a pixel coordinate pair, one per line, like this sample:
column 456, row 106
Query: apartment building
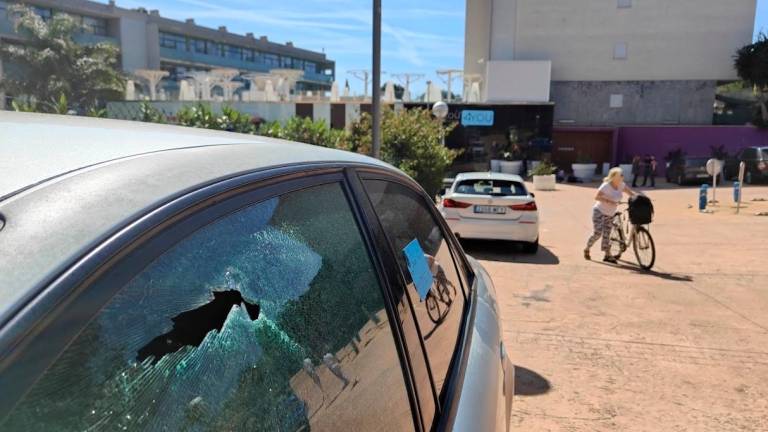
column 148, row 40
column 607, row 62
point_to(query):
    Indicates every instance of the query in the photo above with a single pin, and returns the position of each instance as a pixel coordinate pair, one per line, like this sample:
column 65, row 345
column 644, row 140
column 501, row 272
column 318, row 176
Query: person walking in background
column 646, row 169
column 650, row 170
column 606, row 204
column 635, row 170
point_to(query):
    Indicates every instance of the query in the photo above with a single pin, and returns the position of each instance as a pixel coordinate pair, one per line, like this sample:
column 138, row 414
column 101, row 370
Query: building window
column 624, row 4
column 97, row 26
column 44, row 13
column 248, row 55
column 616, row 101
column 234, row 52
column 286, row 62
column 199, row 46
column 620, row 51
column 310, row 67
column 272, row 59
column 172, row 41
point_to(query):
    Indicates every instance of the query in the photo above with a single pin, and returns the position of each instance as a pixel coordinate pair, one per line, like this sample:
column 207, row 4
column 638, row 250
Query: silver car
column 165, row 278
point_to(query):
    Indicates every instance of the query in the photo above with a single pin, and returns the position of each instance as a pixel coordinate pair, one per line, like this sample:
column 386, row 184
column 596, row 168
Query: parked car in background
column 493, row 206
column 688, row 169
column 756, row 164
column 158, row 277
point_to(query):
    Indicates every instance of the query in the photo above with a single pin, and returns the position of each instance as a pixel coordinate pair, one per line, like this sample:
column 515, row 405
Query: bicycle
column 624, row 234
column 439, row 294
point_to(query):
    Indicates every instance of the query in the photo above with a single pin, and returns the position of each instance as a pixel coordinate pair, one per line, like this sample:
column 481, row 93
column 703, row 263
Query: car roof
column 38, row 147
column 488, row 175
column 68, row 183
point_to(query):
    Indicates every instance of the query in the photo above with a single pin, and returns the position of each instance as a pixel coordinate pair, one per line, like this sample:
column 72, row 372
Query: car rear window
column 491, row 187
column 696, row 162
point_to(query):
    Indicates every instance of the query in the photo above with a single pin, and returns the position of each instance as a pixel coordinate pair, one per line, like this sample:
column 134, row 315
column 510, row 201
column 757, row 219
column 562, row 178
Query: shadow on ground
column 529, row 383
column 626, row 265
column 505, row 251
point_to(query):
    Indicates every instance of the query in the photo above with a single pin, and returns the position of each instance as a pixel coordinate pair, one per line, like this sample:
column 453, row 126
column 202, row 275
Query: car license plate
column 490, row 209
column 702, row 175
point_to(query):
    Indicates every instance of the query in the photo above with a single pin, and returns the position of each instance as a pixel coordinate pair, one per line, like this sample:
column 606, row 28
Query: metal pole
column 376, row 102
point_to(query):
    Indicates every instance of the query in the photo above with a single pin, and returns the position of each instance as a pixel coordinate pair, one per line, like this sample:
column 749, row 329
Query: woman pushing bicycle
column 606, row 204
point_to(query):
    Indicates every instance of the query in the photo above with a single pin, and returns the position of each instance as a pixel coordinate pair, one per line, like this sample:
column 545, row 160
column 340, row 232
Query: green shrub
column 411, row 141
column 199, row 115
column 148, row 113
column 235, row 121
column 543, row 169
column 306, row 130
column 584, row 158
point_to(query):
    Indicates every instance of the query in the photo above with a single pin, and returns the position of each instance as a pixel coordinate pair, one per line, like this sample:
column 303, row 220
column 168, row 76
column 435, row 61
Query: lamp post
column 440, row 111
column 376, row 71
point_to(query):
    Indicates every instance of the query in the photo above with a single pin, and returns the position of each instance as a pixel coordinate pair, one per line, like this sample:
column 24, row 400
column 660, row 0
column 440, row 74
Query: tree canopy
column 751, row 63
column 50, row 67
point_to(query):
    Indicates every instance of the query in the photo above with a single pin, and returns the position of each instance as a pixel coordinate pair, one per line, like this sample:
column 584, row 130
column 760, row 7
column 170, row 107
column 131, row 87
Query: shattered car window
column 270, row 318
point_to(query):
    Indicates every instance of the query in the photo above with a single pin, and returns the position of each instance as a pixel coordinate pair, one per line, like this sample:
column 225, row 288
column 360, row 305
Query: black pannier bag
column 640, row 210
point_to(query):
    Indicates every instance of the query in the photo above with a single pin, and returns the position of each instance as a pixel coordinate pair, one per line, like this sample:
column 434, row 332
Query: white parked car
column 490, row 205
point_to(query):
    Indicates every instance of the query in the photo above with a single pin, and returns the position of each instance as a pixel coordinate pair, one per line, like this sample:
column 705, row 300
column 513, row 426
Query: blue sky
column 761, row 19
column 419, row 36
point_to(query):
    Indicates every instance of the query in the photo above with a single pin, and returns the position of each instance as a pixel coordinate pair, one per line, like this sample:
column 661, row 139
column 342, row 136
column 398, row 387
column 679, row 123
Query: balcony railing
column 7, row 28
column 219, row 61
column 212, row 60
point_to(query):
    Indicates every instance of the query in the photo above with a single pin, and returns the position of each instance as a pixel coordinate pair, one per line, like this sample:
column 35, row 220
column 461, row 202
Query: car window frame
column 26, row 351
column 446, row 409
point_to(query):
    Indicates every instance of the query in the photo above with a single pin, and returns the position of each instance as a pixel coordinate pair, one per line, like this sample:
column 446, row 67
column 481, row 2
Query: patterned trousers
column 601, row 228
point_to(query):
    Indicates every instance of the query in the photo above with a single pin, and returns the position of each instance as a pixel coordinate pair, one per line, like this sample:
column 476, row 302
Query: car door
column 440, row 312
column 260, row 310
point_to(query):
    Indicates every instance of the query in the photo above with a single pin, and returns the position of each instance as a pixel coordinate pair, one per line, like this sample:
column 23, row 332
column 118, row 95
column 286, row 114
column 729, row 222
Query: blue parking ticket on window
column 418, row 267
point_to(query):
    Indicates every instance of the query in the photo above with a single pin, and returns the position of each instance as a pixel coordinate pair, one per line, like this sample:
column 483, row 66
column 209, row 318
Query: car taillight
column 762, row 166
column 449, row 203
column 530, row 206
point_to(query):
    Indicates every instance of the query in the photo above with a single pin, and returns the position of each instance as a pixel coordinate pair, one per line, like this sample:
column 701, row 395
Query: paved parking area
column 603, row 347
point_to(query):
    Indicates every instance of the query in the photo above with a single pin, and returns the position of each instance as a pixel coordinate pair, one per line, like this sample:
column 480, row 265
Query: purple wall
column 694, row 140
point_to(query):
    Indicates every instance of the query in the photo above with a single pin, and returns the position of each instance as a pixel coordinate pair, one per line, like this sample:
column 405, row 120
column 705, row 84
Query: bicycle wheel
column 645, row 250
column 433, row 308
column 617, row 245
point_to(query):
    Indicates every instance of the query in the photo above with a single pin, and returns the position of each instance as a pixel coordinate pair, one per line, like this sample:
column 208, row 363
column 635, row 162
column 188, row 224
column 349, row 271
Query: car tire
column 531, row 247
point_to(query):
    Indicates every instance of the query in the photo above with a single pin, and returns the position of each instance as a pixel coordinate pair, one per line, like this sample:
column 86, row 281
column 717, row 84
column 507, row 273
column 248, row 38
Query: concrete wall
column 517, row 81
column 477, row 36
column 133, row 34
column 588, row 103
column 666, row 40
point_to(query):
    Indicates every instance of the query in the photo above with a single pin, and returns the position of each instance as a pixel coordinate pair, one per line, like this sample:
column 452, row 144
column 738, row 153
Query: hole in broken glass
column 190, row 327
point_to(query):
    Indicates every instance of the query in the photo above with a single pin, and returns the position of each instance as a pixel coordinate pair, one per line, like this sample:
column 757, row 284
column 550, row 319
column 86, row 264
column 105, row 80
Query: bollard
column 736, row 192
column 703, row 197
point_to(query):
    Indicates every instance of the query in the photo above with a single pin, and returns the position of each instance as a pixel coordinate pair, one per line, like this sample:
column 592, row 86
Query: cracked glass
column 270, row 318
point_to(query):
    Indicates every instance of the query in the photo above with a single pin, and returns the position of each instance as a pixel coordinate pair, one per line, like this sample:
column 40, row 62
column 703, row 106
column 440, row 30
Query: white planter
column 544, row 182
column 495, row 165
column 626, row 169
column 584, row 172
column 511, row 167
column 532, row 164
